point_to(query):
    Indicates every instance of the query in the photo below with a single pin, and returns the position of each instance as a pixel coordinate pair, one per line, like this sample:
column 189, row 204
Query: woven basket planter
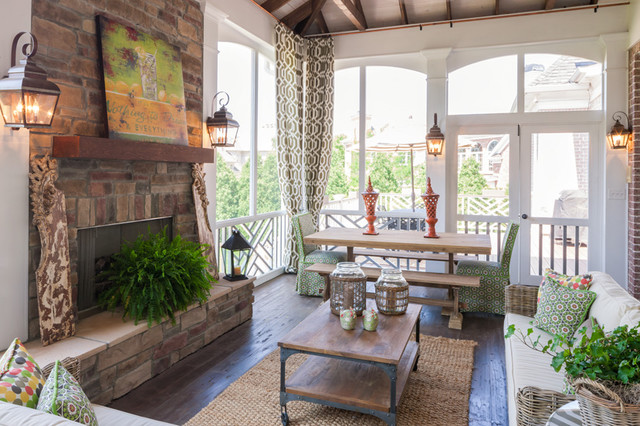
column 535, row 405
column 597, row 411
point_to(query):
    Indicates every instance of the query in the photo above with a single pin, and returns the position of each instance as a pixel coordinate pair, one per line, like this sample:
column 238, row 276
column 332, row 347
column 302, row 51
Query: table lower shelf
column 350, row 382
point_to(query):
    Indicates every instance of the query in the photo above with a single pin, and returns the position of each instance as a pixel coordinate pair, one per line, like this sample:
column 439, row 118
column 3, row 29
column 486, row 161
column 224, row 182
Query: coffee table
column 355, row 370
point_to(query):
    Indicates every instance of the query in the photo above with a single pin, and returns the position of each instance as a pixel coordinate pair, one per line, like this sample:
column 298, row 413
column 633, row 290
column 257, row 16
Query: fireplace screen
column 96, row 245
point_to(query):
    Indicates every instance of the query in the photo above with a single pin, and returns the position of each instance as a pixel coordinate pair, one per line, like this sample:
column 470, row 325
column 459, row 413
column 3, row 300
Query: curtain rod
column 456, row 21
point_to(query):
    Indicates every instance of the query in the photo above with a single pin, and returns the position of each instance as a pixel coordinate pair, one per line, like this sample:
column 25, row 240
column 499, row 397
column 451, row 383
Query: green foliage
column 153, row 277
column 268, row 185
column 603, row 356
column 470, row 180
column 380, row 169
column 227, row 188
column 338, row 183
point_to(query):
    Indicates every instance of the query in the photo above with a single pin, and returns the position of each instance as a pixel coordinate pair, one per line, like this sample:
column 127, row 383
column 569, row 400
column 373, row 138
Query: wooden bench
column 451, row 282
column 414, row 255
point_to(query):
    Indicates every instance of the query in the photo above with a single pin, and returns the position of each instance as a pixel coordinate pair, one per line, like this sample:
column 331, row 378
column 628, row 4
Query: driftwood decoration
column 205, row 234
column 55, row 304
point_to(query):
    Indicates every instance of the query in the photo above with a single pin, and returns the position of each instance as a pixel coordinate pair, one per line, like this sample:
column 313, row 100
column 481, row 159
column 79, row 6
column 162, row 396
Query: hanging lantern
column 435, row 138
column 619, row 136
column 222, row 128
column 27, row 98
column 236, row 244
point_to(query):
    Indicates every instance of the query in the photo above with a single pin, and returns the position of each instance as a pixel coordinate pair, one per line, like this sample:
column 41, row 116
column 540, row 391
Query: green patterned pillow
column 562, row 310
column 576, row 282
column 20, row 377
column 63, row 396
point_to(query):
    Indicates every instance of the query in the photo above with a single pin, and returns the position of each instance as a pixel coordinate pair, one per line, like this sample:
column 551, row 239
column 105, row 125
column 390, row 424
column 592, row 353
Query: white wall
column 634, row 22
column 14, row 190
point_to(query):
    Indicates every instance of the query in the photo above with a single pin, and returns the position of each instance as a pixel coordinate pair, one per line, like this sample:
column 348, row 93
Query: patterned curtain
column 304, row 125
column 318, row 122
column 289, row 116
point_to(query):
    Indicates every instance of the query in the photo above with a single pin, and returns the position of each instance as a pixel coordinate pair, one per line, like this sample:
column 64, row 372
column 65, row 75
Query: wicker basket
column 597, row 411
column 72, row 365
column 535, row 405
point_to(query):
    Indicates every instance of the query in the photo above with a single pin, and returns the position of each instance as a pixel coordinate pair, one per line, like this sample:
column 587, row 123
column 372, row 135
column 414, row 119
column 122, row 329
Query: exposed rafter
column 272, row 5
column 352, row 13
column 449, row 16
column 299, row 14
column 316, row 7
column 497, row 9
column 403, row 12
column 322, row 23
column 549, row 4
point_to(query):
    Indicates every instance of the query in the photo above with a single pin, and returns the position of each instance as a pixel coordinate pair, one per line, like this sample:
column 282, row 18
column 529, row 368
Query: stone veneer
column 108, row 192
column 633, row 278
column 116, row 356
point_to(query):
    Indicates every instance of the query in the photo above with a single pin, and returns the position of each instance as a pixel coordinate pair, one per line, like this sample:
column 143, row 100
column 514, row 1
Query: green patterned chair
column 494, row 277
column 311, row 283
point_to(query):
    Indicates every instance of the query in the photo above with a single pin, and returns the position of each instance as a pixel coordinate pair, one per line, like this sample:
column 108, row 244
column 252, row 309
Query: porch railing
column 266, row 234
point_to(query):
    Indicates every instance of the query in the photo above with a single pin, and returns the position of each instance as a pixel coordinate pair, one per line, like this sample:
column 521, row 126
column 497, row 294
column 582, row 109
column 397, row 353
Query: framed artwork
column 143, row 85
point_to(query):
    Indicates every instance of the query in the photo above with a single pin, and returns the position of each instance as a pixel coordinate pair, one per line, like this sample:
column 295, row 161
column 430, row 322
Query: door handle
column 524, row 216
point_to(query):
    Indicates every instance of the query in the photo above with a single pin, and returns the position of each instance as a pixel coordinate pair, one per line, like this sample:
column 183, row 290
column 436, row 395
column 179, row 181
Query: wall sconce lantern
column 435, row 138
column 235, row 244
column 223, row 129
column 27, row 98
column 619, row 136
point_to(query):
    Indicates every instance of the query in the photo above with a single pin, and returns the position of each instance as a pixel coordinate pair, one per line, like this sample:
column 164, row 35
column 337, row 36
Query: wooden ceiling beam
column 316, row 7
column 272, row 5
column 497, row 9
column 298, row 15
column 352, row 13
column 594, row 2
column 549, row 4
column 448, row 10
column 322, row 23
column 403, row 12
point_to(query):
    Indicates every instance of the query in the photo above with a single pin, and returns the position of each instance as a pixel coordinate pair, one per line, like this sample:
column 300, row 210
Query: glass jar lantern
column 348, row 288
column 392, row 292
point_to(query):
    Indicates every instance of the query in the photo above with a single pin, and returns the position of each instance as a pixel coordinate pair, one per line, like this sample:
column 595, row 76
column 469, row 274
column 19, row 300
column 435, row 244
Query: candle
column 236, row 270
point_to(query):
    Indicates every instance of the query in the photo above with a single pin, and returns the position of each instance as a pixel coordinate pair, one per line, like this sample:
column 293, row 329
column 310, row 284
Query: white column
column 437, row 103
column 614, row 188
column 212, row 19
column 14, row 187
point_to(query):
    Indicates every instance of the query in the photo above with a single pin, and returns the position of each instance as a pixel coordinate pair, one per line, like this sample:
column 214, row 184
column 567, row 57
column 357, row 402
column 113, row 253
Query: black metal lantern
column 236, row 243
column 435, row 138
column 222, row 128
column 619, row 136
column 27, row 98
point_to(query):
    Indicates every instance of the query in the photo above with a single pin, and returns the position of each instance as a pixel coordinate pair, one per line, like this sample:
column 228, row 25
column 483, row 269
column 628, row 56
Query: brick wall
column 106, row 192
column 634, row 164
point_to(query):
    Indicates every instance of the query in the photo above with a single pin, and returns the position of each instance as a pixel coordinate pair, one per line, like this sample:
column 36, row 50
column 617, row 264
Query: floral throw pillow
column 562, row 310
column 575, row 282
column 21, row 380
column 63, row 396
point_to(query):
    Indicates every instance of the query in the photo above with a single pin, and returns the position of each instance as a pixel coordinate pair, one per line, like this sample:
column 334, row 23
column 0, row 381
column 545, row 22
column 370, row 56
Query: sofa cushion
column 527, row 367
column 63, row 396
column 110, row 416
column 612, row 302
column 631, row 318
column 21, row 379
column 17, row 415
column 561, row 310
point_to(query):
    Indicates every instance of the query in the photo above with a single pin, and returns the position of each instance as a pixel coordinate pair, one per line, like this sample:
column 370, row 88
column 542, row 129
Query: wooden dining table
column 449, row 242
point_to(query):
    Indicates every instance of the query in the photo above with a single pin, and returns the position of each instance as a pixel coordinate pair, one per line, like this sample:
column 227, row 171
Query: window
column 393, row 113
column 484, row 87
column 249, row 79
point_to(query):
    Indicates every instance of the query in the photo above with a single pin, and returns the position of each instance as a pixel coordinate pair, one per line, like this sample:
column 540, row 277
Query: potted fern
column 154, row 277
column 603, row 369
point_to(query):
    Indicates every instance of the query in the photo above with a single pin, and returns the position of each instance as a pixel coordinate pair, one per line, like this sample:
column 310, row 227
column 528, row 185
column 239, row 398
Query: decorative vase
column 370, row 320
column 348, row 288
column 392, row 292
column 348, row 319
column 370, row 197
column 431, row 204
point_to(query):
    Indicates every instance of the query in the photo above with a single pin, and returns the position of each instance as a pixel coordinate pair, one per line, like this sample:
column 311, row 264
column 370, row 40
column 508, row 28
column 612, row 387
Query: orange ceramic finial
column 370, row 187
column 370, row 196
column 431, row 204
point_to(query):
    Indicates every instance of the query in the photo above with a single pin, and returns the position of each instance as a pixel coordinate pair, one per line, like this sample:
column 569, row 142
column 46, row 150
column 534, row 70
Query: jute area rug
column 437, row 394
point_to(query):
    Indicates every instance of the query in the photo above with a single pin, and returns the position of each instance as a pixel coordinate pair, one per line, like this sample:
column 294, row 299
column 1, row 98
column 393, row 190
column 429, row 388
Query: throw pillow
column 561, row 310
column 576, row 282
column 63, row 396
column 21, row 379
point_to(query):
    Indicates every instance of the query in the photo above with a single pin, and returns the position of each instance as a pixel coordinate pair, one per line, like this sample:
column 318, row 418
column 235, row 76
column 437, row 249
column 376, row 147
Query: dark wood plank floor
column 183, row 390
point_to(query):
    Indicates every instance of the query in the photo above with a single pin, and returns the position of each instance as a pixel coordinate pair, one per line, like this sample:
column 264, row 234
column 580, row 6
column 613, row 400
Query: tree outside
column 470, row 180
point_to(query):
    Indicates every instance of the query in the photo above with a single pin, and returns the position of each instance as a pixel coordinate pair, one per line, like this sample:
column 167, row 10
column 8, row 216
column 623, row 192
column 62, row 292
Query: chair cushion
column 561, row 310
column 576, row 282
column 326, row 256
column 477, row 267
column 63, row 396
column 21, row 379
column 612, row 302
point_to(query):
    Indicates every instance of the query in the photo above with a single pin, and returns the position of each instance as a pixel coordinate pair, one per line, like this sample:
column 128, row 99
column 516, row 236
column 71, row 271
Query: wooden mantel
column 121, row 149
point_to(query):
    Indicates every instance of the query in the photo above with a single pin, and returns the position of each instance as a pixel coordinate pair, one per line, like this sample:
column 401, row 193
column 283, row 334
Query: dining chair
column 494, row 277
column 311, row 283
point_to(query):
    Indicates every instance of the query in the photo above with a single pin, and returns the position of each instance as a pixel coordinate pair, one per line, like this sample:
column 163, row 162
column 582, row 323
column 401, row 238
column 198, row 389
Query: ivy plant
column 155, row 276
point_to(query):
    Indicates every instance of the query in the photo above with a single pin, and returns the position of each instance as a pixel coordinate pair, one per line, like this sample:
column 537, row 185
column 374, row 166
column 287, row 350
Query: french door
column 541, row 177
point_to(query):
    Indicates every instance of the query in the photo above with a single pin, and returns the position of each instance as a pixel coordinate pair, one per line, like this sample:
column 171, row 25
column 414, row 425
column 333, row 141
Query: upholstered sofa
column 17, row 415
column 534, row 389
